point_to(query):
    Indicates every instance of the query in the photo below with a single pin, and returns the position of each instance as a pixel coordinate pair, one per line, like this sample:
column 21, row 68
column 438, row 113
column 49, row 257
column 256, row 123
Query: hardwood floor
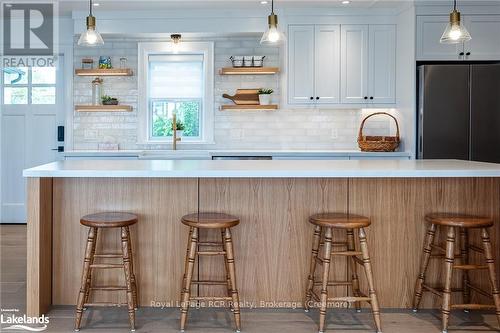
column 13, row 295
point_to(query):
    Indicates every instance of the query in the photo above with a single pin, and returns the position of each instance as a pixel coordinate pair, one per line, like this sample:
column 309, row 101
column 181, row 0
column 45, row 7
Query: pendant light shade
column 273, row 35
column 455, row 32
column 91, row 37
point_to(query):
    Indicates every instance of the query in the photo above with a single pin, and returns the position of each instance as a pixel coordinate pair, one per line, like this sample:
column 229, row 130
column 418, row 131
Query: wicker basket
column 378, row 143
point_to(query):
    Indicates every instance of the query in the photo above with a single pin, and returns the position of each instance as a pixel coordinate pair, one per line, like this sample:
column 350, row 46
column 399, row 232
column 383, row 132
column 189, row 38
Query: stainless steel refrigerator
column 459, row 112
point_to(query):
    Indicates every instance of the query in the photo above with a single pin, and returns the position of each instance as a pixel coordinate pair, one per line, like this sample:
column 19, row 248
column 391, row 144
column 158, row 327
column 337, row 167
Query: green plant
column 179, row 125
column 263, row 91
column 107, row 98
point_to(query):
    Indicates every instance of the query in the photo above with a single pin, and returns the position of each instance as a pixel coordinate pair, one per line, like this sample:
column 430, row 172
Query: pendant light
column 455, row 32
column 272, row 36
column 90, row 37
column 176, row 40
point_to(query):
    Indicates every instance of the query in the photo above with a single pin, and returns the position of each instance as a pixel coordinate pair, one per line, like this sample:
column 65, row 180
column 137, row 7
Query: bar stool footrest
column 350, row 299
column 470, row 267
column 106, row 266
column 104, row 304
column 108, row 288
column 108, row 255
column 211, row 253
column 209, row 283
column 208, row 298
column 334, row 283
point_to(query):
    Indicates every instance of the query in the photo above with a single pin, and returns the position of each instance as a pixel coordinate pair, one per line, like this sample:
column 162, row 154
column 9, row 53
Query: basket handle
column 360, row 134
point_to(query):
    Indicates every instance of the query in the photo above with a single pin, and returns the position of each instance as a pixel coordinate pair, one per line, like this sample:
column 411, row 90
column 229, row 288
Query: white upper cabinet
column 382, row 64
column 354, row 67
column 327, row 64
column 301, row 64
column 342, row 64
column 314, row 64
column 485, row 43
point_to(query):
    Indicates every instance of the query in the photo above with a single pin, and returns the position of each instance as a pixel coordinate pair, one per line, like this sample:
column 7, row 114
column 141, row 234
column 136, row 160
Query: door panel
column 13, row 162
column 485, row 115
column 445, row 118
column 485, row 42
column 327, row 64
column 301, row 64
column 354, row 66
column 382, row 67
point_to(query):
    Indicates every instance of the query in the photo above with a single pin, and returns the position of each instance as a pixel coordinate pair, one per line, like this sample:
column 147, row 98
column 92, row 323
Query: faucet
column 174, row 128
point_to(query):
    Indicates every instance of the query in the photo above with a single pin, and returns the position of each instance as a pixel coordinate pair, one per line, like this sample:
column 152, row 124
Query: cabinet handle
column 311, row 98
column 461, row 53
column 371, row 97
column 366, row 97
column 317, row 97
column 467, row 54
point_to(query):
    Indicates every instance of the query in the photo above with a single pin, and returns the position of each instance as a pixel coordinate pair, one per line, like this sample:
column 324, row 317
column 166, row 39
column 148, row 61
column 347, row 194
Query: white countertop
column 265, row 169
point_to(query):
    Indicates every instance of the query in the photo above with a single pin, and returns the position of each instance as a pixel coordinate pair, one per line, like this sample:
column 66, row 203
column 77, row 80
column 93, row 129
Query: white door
column 301, row 64
column 382, row 64
column 327, row 64
column 32, row 100
column 485, row 42
column 429, row 32
column 354, row 67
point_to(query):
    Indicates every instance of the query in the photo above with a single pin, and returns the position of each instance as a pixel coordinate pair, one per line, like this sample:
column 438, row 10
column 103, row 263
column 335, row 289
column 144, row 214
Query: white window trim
column 207, row 116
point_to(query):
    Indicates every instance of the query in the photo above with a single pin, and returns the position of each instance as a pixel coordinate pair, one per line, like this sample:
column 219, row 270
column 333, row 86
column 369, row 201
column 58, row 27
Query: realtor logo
column 29, row 28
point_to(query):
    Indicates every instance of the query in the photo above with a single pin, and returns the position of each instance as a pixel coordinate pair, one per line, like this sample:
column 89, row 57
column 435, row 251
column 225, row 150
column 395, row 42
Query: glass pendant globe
column 455, row 33
column 90, row 38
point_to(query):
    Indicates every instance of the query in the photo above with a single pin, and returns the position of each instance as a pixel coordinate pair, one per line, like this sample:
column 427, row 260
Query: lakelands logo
column 10, row 321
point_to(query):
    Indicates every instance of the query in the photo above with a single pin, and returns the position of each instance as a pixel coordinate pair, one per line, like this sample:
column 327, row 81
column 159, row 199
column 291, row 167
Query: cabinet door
column 429, row 32
column 327, row 64
column 485, row 42
column 354, row 64
column 301, row 64
column 382, row 64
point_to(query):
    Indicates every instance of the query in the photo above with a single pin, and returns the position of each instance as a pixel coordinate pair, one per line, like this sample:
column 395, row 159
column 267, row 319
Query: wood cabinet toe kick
column 271, row 243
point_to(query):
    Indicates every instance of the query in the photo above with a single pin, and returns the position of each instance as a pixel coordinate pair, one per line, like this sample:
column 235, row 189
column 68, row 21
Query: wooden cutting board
column 244, row 97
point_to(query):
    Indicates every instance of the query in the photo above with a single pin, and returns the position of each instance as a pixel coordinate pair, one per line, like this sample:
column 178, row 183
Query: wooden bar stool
column 224, row 223
column 95, row 222
column 324, row 223
column 463, row 223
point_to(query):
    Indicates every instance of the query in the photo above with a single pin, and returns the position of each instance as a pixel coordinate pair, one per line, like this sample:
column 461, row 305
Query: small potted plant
column 180, row 128
column 107, row 100
column 265, row 96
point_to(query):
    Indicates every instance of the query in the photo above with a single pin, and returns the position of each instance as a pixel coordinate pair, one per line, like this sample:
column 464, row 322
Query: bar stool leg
column 464, row 252
column 193, row 244
column 324, row 282
column 491, row 268
column 89, row 280
column 369, row 278
column 85, row 276
column 186, row 262
column 429, row 239
column 127, row 268
column 132, row 272
column 352, row 267
column 232, row 276
column 312, row 267
column 228, row 279
column 449, row 260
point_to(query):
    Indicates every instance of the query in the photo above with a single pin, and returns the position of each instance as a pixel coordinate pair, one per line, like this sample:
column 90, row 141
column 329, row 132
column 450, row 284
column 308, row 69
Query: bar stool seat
column 459, row 220
column 109, row 220
column 210, row 220
column 340, row 220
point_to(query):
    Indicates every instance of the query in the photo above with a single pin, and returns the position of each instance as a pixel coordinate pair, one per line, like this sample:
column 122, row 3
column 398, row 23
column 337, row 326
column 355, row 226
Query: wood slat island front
column 272, row 242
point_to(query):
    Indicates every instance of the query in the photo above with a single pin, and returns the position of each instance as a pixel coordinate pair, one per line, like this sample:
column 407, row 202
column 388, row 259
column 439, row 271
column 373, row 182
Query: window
column 180, row 84
column 29, row 85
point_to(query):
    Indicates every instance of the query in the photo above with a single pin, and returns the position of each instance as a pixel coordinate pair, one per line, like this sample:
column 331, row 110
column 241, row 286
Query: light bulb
column 455, row 32
column 90, row 38
column 274, row 35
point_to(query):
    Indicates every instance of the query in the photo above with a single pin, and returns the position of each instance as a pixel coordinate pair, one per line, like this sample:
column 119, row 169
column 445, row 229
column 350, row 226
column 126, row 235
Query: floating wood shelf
column 104, row 72
column 249, row 70
column 103, row 108
column 249, row 107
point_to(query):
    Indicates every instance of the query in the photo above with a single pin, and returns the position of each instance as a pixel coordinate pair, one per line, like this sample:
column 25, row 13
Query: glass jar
column 97, row 91
column 123, row 62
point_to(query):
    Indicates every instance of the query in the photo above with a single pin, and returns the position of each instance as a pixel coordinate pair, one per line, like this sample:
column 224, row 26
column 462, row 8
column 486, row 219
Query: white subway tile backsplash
column 295, row 128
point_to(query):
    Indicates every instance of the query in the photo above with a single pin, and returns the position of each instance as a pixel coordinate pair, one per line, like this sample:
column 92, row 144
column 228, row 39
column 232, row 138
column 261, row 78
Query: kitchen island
column 272, row 243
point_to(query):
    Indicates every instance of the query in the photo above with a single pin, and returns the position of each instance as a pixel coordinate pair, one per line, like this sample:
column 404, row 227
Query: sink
column 175, row 155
